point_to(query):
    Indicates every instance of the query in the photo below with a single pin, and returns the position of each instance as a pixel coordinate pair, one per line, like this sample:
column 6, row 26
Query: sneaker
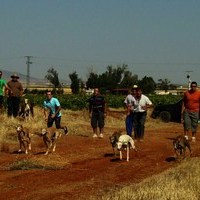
column 65, row 130
column 186, row 137
column 101, row 135
column 193, row 139
column 94, row 136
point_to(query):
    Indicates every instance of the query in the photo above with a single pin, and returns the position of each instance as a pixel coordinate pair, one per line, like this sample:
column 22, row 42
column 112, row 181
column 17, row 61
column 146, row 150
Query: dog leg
column 54, row 148
column 127, row 154
column 120, row 155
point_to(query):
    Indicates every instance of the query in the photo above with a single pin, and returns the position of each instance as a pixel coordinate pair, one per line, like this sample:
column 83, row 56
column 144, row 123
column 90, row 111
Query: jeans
column 139, row 121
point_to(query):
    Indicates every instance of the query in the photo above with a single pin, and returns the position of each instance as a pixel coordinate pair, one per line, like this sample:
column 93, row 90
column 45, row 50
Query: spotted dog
column 24, row 138
column 50, row 136
column 125, row 142
column 26, row 109
column 180, row 144
column 114, row 138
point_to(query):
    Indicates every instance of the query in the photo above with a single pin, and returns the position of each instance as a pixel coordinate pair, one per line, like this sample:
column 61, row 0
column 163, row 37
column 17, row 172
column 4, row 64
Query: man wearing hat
column 3, row 86
column 14, row 94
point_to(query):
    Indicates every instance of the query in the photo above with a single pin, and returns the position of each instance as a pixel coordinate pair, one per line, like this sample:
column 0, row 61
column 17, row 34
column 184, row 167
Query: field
column 82, row 167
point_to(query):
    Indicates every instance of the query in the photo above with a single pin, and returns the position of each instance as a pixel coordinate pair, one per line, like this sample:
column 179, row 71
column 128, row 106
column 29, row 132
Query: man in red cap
column 14, row 94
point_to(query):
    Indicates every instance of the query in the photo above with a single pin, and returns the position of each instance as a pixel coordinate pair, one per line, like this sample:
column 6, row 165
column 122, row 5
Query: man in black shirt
column 97, row 112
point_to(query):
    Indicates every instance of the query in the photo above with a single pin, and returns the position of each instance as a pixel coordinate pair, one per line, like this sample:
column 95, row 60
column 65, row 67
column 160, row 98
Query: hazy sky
column 157, row 38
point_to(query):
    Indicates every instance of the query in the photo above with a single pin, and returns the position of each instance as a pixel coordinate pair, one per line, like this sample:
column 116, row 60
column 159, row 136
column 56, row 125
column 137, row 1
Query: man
column 190, row 110
column 3, row 87
column 97, row 112
column 52, row 112
column 140, row 109
column 129, row 105
column 14, row 94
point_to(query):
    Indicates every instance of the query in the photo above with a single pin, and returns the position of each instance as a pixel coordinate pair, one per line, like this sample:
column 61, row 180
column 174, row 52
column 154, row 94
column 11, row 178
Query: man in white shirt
column 140, row 110
column 129, row 105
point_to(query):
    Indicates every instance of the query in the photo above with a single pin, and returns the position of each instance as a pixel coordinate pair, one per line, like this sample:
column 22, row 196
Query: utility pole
column 28, row 62
column 189, row 80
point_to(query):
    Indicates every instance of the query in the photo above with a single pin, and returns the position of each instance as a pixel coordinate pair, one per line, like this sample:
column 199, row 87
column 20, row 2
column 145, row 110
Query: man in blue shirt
column 52, row 111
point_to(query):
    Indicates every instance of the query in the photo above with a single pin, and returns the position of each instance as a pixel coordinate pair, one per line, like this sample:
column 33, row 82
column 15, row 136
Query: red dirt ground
column 91, row 168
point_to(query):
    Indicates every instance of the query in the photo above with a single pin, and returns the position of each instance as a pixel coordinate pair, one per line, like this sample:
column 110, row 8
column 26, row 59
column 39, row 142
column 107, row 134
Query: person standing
column 129, row 105
column 3, row 88
column 97, row 112
column 14, row 94
column 52, row 112
column 140, row 109
column 190, row 110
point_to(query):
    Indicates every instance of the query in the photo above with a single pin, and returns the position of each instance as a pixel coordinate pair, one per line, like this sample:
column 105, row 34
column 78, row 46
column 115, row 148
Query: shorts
column 190, row 120
column 97, row 120
column 51, row 121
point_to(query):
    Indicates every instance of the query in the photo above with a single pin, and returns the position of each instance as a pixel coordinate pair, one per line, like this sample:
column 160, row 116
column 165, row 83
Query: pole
column 28, row 62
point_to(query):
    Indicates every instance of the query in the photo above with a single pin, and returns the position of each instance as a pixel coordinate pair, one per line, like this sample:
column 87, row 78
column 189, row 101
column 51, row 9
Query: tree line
column 115, row 77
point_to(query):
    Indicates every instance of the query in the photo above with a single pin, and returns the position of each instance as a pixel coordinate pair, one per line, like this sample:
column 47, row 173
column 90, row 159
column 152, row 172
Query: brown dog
column 24, row 138
column 50, row 136
column 180, row 144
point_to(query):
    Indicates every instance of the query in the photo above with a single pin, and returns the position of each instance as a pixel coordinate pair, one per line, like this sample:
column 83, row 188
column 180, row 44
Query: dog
column 125, row 142
column 50, row 136
column 24, row 138
column 180, row 144
column 114, row 138
column 26, row 109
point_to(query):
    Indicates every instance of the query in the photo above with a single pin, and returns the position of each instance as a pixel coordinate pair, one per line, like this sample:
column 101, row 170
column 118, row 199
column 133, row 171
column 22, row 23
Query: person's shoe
column 65, row 130
column 186, row 137
column 101, row 135
column 94, row 136
column 193, row 139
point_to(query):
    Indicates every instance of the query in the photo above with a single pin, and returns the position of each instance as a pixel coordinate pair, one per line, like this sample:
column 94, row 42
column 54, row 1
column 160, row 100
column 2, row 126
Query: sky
column 155, row 38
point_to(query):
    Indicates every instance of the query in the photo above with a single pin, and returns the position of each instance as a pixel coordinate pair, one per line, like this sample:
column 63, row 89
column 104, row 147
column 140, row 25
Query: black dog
column 114, row 138
column 180, row 144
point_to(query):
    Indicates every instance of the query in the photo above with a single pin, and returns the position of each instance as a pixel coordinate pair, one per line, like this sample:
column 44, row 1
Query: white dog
column 125, row 142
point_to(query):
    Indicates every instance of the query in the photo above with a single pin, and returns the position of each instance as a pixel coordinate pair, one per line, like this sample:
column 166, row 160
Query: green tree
column 52, row 77
column 92, row 81
column 75, row 82
column 163, row 84
column 147, row 84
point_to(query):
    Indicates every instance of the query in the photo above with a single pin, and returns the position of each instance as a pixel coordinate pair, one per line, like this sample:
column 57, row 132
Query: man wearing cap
column 140, row 110
column 129, row 105
column 14, row 94
column 3, row 86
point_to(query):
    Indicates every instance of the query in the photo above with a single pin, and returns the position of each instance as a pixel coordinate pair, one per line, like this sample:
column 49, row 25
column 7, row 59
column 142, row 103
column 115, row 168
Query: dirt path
column 90, row 167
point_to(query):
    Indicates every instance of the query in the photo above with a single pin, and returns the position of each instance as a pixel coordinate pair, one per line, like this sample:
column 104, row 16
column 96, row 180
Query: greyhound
column 180, row 144
column 125, row 142
column 24, row 138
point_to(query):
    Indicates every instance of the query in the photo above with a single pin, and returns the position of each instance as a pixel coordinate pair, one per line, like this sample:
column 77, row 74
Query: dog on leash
column 50, row 136
column 114, row 138
column 125, row 142
column 24, row 138
column 26, row 109
column 180, row 144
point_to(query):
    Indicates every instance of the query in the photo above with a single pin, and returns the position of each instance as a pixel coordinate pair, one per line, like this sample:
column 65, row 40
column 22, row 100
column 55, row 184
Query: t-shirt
column 2, row 85
column 143, row 101
column 16, row 88
column 97, row 103
column 130, row 101
column 52, row 105
column 192, row 100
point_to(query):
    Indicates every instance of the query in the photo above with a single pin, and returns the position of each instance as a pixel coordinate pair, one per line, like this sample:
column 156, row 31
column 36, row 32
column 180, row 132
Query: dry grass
column 182, row 182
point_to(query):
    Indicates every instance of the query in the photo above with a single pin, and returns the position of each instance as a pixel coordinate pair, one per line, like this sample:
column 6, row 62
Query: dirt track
column 90, row 167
